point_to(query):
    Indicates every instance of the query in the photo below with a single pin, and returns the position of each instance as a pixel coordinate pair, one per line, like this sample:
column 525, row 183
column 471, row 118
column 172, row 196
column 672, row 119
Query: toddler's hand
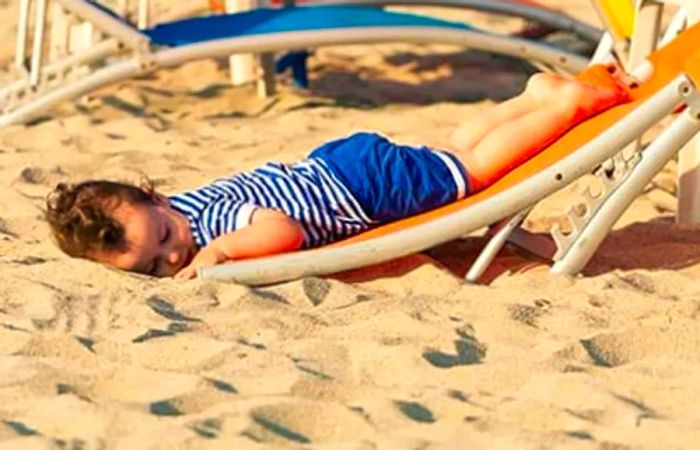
column 208, row 256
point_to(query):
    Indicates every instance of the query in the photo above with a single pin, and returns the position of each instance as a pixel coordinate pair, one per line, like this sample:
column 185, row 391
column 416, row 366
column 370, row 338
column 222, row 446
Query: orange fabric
column 600, row 76
column 692, row 68
column 217, row 6
column 668, row 62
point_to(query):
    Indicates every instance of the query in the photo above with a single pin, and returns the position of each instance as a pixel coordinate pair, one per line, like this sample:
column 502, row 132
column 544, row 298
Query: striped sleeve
column 225, row 215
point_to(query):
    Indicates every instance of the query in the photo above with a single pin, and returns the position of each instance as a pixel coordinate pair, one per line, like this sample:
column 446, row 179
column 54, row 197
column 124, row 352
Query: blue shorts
column 392, row 181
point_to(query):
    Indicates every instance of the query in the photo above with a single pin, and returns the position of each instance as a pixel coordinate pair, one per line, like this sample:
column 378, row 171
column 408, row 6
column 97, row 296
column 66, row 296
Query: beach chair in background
column 667, row 79
column 630, row 44
column 261, row 68
column 524, row 9
column 119, row 50
column 617, row 17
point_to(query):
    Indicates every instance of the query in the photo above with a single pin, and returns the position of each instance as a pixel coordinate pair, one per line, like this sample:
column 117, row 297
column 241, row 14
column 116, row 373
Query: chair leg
column 22, row 34
column 502, row 231
column 646, row 31
column 590, row 235
column 605, row 51
column 60, row 33
column 38, row 46
column 243, row 67
column 266, row 78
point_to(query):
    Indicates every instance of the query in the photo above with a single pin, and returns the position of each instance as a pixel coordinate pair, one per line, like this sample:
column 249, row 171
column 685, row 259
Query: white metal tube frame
column 451, row 226
column 170, row 57
column 54, row 70
column 545, row 16
column 107, row 24
column 503, row 232
column 22, row 33
column 38, row 47
column 652, row 160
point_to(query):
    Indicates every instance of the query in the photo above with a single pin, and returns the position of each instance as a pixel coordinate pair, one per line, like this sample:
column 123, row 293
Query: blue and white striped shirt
column 307, row 191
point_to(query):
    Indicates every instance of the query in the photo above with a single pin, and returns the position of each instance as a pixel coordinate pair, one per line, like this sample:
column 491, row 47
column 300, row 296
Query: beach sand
column 402, row 355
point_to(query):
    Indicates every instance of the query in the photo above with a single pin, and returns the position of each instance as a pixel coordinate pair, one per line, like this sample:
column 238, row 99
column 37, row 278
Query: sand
column 401, row 355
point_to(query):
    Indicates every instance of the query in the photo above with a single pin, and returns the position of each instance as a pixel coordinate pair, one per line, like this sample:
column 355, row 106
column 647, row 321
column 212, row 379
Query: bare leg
column 522, row 127
column 469, row 133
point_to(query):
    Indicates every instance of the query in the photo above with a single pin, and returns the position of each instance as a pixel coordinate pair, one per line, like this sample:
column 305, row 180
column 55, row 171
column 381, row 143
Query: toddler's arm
column 270, row 232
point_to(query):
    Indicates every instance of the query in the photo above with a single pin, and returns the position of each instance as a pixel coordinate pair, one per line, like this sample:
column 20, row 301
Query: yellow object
column 618, row 16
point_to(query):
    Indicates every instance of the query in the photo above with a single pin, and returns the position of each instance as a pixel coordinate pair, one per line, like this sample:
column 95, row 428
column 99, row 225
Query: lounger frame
column 623, row 176
column 573, row 249
column 549, row 17
column 121, row 52
column 514, row 8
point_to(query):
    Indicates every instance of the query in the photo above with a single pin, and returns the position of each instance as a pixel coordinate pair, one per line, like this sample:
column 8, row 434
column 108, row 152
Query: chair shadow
column 459, row 77
column 473, row 75
column 659, row 244
column 465, row 76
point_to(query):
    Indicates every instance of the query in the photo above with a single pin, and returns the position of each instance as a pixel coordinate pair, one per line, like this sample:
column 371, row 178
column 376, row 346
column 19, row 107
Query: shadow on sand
column 659, row 244
column 458, row 77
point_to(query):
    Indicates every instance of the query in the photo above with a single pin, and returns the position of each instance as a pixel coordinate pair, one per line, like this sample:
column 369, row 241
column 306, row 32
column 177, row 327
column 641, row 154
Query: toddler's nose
column 173, row 257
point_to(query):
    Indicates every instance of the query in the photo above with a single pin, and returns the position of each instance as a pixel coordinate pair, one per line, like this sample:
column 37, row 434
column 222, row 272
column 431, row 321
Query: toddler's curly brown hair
column 81, row 215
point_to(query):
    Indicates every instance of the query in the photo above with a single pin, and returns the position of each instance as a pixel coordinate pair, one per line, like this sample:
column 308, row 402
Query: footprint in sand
column 19, row 428
column 208, row 428
column 41, row 176
column 306, row 422
column 416, row 412
column 680, row 342
column 206, row 394
column 312, row 292
column 528, row 314
column 468, row 351
column 167, row 310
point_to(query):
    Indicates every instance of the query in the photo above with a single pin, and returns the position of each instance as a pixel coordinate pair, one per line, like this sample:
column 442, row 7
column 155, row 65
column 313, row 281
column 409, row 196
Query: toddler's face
column 159, row 239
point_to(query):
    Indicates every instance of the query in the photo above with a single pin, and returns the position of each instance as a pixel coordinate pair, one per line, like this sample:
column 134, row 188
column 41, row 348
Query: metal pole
column 499, row 44
column 647, row 30
column 242, row 66
column 37, row 50
column 22, row 32
column 107, row 24
column 144, row 14
column 60, row 31
column 523, row 10
column 94, row 53
column 675, row 26
column 504, row 229
column 604, row 52
column 689, row 157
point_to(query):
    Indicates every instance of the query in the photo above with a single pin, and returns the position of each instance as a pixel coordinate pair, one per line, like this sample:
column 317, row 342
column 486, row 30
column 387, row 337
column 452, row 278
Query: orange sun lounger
column 667, row 80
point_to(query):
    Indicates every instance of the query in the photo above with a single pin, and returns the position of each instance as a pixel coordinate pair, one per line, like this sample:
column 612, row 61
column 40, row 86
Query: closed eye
column 166, row 235
column 153, row 268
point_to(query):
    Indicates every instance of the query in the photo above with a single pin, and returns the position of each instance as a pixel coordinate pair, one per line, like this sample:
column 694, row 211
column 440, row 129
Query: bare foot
column 583, row 98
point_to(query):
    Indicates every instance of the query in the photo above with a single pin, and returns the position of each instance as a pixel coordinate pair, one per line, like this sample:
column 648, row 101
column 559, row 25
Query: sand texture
column 397, row 356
